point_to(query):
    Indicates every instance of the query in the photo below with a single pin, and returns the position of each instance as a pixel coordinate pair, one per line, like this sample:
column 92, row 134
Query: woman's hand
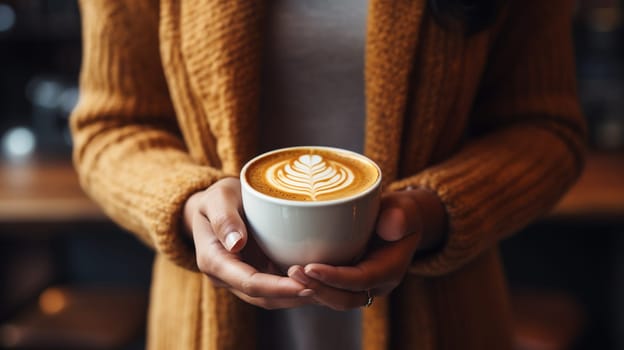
column 409, row 222
column 228, row 256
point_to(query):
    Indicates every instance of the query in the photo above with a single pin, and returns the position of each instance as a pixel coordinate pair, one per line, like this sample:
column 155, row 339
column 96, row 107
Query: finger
column 381, row 269
column 201, row 231
column 273, row 303
column 337, row 299
column 222, row 207
column 218, row 263
column 297, row 273
column 351, row 278
column 400, row 215
column 217, row 282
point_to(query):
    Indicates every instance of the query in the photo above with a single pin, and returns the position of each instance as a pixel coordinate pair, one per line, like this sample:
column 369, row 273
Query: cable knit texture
column 490, row 123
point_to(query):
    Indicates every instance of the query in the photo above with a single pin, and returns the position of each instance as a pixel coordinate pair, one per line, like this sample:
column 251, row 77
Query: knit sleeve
column 530, row 145
column 128, row 151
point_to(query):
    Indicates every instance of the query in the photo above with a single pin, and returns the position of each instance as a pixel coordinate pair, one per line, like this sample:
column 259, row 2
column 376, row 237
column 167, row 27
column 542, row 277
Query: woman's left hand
column 409, row 222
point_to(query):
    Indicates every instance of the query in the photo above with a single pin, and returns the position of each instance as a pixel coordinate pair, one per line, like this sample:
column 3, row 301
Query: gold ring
column 370, row 299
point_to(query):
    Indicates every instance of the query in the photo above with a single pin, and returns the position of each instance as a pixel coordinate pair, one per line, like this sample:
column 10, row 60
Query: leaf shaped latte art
column 309, row 175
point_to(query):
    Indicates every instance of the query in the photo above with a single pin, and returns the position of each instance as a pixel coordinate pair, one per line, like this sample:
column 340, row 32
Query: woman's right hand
column 229, row 257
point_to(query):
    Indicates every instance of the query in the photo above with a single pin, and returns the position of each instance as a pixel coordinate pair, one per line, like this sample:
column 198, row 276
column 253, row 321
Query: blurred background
column 69, row 278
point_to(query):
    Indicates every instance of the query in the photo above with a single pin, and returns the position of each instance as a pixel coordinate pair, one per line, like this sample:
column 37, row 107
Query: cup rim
column 266, row 197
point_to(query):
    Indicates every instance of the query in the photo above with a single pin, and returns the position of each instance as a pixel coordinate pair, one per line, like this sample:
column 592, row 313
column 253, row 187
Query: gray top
column 313, row 94
column 313, row 78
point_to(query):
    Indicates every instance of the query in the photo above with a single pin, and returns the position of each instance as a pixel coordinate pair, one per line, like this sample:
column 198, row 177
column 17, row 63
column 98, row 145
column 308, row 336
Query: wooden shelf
column 48, row 192
column 599, row 193
column 73, row 317
column 44, row 192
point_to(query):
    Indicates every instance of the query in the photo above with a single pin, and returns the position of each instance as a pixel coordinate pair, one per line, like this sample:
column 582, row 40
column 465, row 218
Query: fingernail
column 300, row 277
column 313, row 274
column 231, row 239
column 306, row 293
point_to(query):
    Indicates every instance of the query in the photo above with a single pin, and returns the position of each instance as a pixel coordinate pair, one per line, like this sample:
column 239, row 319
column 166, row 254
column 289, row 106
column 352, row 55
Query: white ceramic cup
column 294, row 232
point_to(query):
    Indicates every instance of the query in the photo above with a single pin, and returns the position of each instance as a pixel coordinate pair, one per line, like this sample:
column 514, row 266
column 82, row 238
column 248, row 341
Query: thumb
column 222, row 209
column 399, row 216
column 229, row 228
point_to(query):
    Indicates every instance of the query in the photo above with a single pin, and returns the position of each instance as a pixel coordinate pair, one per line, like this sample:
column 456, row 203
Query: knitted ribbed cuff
column 492, row 188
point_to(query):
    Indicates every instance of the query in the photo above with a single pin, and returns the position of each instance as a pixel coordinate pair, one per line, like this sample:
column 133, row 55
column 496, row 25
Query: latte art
column 310, row 175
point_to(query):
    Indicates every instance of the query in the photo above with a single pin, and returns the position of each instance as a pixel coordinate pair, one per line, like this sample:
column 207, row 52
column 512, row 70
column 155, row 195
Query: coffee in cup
column 311, row 204
column 311, row 174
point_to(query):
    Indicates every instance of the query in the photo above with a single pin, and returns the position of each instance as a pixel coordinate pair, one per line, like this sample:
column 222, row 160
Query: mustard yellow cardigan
column 491, row 123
